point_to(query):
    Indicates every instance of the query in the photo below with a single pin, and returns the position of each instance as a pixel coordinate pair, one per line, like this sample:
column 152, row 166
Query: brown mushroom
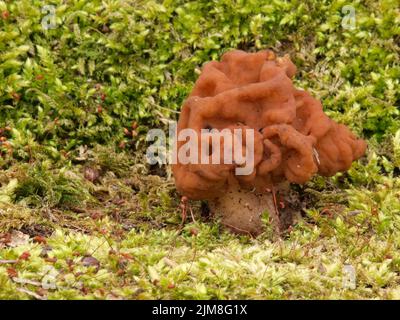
column 293, row 140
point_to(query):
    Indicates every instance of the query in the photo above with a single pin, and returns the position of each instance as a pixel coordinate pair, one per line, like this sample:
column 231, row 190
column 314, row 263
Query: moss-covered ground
column 83, row 216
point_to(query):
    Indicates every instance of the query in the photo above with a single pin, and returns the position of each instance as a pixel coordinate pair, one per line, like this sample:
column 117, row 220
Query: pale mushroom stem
column 241, row 210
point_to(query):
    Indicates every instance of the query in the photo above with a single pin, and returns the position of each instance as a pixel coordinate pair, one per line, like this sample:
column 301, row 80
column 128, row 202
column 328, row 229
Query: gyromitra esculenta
column 293, row 138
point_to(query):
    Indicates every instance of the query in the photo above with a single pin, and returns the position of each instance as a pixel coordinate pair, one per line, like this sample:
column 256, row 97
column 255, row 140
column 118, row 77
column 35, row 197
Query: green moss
column 75, row 104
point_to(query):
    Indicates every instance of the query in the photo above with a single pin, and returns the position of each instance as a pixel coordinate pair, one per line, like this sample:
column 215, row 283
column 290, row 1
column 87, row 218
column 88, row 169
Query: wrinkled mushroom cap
column 294, row 138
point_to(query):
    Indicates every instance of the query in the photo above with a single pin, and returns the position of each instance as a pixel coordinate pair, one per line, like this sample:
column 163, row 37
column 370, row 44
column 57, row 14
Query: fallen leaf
column 91, row 174
column 18, row 238
column 12, row 273
column 40, row 239
column 42, row 292
column 90, row 261
column 25, row 256
column 5, row 15
column 127, row 256
column 45, row 251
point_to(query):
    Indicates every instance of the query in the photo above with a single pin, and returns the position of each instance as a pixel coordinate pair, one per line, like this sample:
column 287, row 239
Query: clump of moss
column 39, row 185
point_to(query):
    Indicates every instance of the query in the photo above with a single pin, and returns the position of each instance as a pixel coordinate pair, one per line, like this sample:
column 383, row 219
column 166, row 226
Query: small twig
column 8, row 261
column 275, row 203
column 191, row 213
column 31, row 293
column 183, row 205
column 278, row 221
column 238, row 229
column 174, row 241
column 316, row 155
column 27, row 281
column 191, row 264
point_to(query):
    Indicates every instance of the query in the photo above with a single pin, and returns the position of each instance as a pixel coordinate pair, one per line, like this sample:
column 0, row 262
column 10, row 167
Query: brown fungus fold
column 294, row 138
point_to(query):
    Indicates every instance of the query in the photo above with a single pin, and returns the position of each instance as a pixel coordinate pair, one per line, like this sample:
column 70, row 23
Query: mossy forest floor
column 83, row 216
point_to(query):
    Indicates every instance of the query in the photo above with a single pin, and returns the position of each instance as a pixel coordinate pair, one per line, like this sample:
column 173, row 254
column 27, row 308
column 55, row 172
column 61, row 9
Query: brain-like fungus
column 293, row 138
